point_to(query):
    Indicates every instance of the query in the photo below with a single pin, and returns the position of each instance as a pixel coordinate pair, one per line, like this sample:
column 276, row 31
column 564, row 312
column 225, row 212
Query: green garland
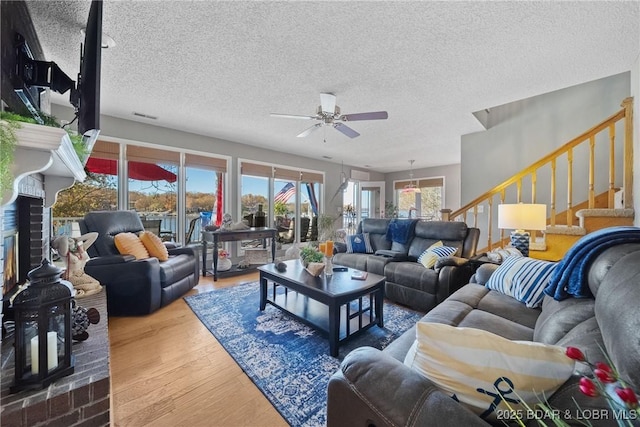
column 8, row 141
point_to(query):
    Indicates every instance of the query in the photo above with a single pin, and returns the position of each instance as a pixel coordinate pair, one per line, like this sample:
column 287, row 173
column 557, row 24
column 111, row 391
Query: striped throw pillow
column 481, row 370
column 434, row 252
column 522, row 278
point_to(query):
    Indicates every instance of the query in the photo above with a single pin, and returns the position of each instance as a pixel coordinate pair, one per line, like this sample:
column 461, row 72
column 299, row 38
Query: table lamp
column 520, row 217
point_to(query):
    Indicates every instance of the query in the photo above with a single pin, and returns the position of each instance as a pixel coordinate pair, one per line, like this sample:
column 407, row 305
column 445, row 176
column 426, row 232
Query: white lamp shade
column 522, row 216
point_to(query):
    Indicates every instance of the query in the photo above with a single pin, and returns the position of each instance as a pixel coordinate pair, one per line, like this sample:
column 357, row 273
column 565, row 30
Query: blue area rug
column 286, row 359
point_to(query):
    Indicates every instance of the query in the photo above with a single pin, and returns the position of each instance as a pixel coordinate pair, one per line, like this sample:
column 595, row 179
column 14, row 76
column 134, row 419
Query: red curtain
column 219, row 201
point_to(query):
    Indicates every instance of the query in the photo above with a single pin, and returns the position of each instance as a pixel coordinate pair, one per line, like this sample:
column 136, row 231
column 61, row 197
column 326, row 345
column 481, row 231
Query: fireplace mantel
column 46, row 150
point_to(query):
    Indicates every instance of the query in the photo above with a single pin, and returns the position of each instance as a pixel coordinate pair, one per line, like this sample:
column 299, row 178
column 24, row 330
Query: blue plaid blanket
column 570, row 276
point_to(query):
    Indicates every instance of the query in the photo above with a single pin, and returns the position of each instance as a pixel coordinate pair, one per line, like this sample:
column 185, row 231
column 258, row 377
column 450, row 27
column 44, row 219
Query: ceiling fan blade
column 374, row 115
column 346, row 130
column 310, row 130
column 328, row 103
column 293, row 116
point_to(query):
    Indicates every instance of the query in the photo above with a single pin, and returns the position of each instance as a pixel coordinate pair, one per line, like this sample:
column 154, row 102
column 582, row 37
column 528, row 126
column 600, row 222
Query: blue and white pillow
column 359, row 243
column 522, row 278
column 433, row 253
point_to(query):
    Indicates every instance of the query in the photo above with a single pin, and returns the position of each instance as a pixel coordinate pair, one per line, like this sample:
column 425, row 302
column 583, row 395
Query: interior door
column 371, row 197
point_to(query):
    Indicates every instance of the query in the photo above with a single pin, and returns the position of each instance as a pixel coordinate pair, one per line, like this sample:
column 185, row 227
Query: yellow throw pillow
column 481, row 369
column 428, row 258
column 433, row 253
column 130, row 244
column 154, row 245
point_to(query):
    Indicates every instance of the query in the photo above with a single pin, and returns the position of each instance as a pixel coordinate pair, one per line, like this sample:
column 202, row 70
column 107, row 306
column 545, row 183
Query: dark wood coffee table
column 322, row 302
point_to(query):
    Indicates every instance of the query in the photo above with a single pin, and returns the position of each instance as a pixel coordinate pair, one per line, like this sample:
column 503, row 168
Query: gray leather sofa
column 375, row 388
column 407, row 281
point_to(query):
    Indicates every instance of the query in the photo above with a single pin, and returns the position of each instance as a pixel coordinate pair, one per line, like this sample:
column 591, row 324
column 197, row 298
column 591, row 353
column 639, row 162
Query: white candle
column 34, row 355
column 52, row 352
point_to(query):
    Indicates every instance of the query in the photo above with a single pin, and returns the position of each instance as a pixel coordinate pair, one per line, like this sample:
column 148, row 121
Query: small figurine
column 227, row 221
column 74, row 252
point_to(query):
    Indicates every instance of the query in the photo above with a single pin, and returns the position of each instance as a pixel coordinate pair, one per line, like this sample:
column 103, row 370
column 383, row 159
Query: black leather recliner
column 135, row 287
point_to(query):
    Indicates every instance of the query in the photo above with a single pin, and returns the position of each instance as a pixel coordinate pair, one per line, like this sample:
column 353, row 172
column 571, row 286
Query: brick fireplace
column 45, row 163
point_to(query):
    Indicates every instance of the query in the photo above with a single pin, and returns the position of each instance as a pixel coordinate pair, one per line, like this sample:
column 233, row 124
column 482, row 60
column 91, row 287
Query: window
column 204, row 193
column 350, row 207
column 152, row 186
column 425, row 204
column 253, row 193
column 99, row 191
column 290, row 213
column 154, row 177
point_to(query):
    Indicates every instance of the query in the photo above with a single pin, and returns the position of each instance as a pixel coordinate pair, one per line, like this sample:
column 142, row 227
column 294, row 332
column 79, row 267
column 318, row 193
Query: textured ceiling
column 219, row 68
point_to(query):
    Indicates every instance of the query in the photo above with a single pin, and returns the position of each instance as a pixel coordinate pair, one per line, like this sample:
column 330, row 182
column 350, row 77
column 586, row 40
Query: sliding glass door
column 290, row 199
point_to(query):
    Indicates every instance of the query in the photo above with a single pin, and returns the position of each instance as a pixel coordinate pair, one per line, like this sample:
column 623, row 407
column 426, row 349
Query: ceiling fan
column 328, row 114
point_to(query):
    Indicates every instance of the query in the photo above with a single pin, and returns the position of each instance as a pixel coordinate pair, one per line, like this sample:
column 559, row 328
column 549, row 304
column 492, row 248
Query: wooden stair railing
column 548, row 164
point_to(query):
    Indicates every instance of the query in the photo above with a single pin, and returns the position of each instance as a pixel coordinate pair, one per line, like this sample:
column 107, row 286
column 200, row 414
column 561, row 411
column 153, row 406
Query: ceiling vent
column 146, row 116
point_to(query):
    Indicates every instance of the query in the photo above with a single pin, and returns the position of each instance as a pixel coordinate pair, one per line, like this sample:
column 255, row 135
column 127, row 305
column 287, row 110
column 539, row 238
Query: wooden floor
column 168, row 370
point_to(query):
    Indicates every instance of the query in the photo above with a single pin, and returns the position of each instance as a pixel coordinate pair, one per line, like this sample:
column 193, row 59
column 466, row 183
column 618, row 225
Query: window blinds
column 268, row 171
column 421, row 183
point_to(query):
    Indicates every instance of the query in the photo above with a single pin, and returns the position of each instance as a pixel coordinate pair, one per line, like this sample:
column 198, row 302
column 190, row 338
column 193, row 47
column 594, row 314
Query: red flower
column 628, row 396
column 604, row 373
column 588, row 387
column 575, row 354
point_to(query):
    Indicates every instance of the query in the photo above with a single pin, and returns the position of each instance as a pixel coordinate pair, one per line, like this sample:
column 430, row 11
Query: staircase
column 606, row 197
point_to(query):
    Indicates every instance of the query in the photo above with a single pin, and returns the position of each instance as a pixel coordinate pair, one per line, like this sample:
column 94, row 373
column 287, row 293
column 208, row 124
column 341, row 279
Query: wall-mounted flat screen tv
column 87, row 95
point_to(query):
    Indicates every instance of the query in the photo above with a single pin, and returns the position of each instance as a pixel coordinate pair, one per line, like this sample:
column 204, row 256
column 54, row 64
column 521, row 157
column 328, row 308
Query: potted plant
column 280, row 208
column 312, row 259
column 390, row 210
column 326, row 229
column 310, row 254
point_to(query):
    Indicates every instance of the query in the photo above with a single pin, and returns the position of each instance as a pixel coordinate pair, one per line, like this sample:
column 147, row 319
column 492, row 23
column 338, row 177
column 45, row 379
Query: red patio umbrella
column 137, row 170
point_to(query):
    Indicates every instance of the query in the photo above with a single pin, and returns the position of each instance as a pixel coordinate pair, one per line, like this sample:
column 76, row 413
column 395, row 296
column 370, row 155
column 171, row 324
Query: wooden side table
column 214, row 237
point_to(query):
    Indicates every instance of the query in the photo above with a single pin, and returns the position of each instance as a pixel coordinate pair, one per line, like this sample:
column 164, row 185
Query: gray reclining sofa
column 407, row 281
column 375, row 388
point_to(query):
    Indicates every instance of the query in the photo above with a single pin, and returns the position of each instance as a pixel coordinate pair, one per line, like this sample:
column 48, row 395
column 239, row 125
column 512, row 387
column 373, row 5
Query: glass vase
column 328, row 265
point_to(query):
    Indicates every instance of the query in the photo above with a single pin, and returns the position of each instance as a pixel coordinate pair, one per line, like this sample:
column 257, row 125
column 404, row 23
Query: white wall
column 535, row 127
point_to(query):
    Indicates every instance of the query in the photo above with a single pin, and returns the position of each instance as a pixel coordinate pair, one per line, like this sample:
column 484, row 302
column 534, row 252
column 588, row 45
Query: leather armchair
column 135, row 287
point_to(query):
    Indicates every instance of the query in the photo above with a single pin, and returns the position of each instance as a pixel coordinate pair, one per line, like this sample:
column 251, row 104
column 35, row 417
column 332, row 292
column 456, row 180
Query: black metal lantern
column 43, row 330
